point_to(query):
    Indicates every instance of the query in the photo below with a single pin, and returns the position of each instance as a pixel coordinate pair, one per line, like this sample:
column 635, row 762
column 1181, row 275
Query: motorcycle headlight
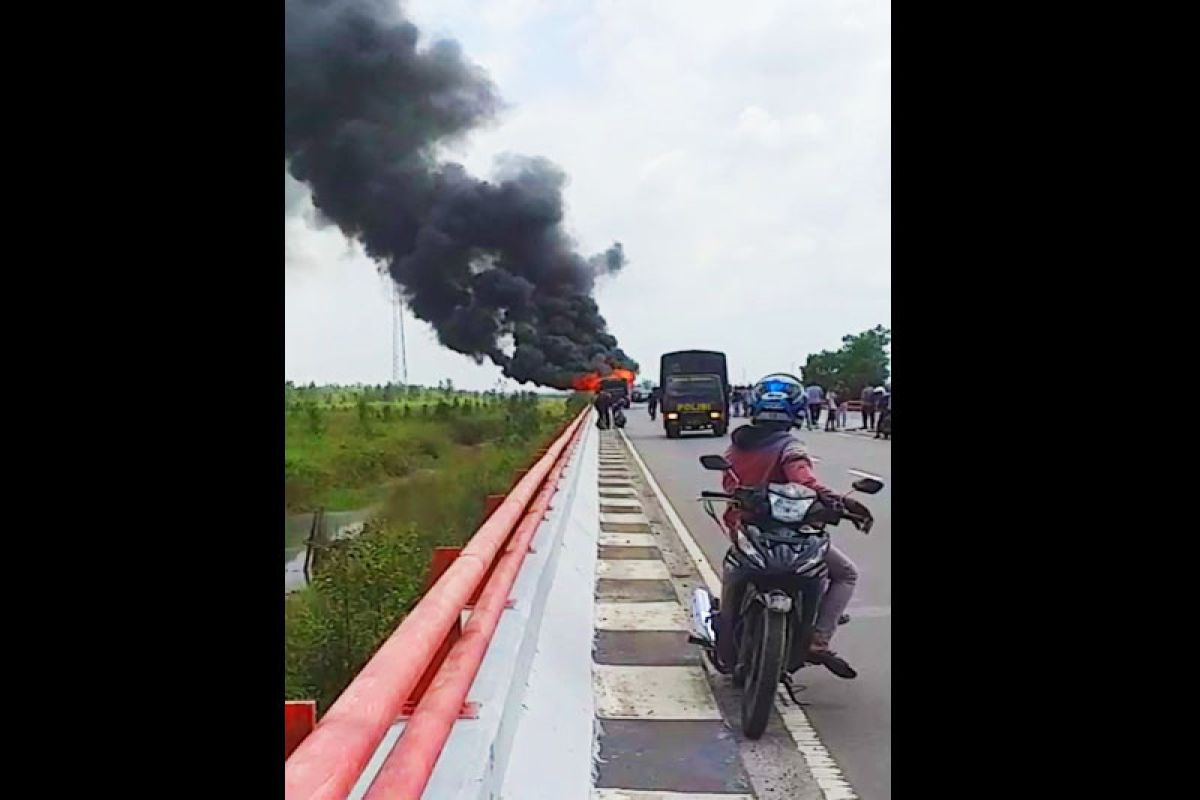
column 748, row 549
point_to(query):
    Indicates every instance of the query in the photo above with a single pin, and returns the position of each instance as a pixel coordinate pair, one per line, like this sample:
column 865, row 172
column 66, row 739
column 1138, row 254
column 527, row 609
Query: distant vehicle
column 695, row 392
column 618, row 388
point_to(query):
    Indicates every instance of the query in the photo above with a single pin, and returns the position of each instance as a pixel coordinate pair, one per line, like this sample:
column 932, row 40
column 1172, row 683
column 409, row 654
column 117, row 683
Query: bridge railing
column 424, row 653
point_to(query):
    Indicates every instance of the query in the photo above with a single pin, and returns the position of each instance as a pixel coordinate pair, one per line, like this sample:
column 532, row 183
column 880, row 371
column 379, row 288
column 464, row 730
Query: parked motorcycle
column 781, row 541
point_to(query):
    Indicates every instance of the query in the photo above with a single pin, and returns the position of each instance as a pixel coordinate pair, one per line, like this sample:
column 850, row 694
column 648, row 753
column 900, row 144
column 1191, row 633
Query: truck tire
column 720, row 430
column 672, row 431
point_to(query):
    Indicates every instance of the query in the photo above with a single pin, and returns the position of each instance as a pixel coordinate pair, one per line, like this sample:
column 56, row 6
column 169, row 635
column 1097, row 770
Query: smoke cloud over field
column 487, row 263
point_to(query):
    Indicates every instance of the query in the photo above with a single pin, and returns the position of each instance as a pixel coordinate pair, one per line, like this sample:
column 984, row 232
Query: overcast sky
column 741, row 153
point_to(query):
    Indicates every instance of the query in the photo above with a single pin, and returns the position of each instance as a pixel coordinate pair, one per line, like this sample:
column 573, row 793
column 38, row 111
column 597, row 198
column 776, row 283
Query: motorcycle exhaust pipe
column 702, row 616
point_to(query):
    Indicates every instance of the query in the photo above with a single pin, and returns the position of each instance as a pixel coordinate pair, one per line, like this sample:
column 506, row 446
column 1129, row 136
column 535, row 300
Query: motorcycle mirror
column 715, row 462
column 867, row 485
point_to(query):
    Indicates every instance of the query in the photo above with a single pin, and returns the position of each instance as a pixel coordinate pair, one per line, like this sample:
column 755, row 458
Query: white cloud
column 742, row 159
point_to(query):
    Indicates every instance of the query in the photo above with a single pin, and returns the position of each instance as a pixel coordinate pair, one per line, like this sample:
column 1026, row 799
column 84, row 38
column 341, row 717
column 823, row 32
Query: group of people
column 876, row 407
column 813, row 399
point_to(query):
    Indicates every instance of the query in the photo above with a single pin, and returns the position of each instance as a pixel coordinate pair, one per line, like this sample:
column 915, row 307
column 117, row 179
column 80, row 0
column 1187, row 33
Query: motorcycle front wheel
column 767, row 652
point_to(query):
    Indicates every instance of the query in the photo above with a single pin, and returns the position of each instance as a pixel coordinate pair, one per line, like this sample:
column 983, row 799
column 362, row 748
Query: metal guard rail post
column 329, row 761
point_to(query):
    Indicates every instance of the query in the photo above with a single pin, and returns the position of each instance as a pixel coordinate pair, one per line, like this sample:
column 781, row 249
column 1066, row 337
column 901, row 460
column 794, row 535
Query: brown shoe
column 819, row 653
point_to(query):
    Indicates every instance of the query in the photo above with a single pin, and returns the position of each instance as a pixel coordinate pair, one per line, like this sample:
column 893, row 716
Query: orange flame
column 591, row 381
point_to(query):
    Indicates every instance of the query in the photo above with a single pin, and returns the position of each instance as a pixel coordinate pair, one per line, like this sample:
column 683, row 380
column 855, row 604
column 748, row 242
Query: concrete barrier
column 541, row 647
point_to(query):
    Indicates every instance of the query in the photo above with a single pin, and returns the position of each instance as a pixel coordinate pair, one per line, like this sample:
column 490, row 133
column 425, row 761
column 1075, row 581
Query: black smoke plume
column 486, row 263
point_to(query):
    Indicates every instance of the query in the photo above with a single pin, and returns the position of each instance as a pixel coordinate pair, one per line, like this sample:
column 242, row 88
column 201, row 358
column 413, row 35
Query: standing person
column 868, row 407
column 831, row 418
column 842, row 410
column 803, row 414
column 816, row 398
column 603, row 405
column 883, row 403
column 652, row 402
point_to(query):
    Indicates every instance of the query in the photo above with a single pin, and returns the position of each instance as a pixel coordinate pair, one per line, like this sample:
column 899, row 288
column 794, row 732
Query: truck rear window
column 693, row 387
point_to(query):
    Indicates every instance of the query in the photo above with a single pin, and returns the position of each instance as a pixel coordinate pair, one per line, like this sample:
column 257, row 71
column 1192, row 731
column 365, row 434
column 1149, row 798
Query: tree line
column 861, row 361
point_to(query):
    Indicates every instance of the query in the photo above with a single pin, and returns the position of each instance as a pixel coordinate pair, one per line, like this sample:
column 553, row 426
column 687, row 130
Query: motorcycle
column 781, row 543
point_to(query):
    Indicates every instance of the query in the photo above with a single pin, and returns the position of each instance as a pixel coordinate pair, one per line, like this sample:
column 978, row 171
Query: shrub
column 315, row 419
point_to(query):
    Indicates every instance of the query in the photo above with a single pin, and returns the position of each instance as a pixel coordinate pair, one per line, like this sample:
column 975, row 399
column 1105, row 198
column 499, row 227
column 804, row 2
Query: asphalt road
column 853, row 718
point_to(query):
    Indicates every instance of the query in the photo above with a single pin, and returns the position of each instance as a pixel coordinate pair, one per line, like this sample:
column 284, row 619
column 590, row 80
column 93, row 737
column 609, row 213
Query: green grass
column 343, row 458
column 430, row 476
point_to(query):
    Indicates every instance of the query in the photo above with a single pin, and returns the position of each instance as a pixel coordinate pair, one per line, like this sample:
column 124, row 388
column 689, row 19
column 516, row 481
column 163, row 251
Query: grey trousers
column 843, row 577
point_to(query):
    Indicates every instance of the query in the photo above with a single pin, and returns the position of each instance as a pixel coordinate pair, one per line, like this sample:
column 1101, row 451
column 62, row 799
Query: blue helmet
column 779, row 397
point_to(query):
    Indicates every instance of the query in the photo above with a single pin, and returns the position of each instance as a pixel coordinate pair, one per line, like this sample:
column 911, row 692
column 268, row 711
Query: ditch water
column 296, row 528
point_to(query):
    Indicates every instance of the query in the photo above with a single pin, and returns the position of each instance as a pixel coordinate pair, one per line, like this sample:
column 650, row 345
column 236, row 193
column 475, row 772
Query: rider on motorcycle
column 766, row 452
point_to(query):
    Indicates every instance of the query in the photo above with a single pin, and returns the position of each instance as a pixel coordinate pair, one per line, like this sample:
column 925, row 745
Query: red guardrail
column 327, row 764
column 409, row 766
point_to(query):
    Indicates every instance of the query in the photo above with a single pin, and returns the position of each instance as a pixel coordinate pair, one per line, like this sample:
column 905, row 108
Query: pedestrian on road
column 883, row 402
column 803, row 414
column 868, row 407
column 603, row 405
column 816, row 398
column 652, row 402
column 831, row 418
column 843, row 401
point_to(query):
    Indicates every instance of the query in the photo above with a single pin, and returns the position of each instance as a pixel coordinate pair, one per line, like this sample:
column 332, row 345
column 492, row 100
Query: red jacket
column 760, row 456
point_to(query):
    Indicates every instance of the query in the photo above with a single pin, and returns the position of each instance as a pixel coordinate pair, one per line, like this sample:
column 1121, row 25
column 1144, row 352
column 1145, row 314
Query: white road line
column 612, row 492
column 628, row 539
column 824, row 768
column 624, row 692
column 623, row 522
column 833, row 786
column 656, row 616
column 636, row 569
column 624, row 505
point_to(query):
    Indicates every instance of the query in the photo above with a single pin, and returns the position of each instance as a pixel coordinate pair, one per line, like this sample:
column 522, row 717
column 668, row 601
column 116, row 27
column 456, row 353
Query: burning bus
column 618, row 382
